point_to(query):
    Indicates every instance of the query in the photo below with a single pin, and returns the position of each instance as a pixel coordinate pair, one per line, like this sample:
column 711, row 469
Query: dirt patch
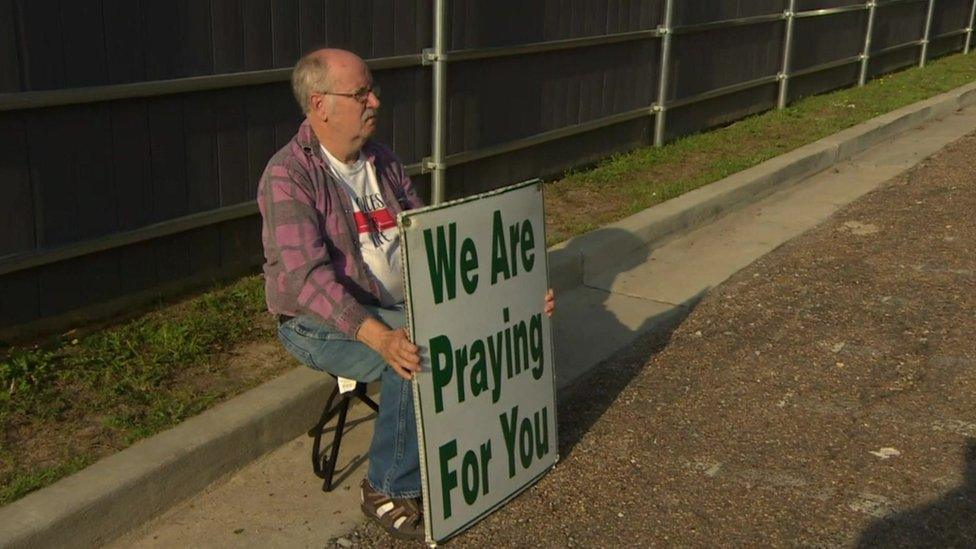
column 822, row 396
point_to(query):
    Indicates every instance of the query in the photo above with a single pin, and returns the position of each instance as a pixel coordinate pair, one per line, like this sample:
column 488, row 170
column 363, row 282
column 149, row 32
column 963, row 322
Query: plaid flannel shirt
column 313, row 263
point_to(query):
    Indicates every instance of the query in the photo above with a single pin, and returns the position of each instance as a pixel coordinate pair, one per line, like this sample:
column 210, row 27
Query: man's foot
column 400, row 517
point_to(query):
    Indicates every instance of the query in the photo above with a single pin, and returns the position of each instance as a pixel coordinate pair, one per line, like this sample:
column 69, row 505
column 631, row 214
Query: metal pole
column 662, row 81
column 866, row 54
column 439, row 99
column 925, row 37
column 784, row 74
column 969, row 29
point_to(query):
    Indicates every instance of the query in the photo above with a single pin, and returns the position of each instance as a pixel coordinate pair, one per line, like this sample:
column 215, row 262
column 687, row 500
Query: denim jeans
column 394, row 460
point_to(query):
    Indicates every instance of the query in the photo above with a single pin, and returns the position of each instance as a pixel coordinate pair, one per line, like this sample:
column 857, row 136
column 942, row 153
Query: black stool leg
column 336, row 441
column 361, row 395
column 318, row 464
column 324, row 468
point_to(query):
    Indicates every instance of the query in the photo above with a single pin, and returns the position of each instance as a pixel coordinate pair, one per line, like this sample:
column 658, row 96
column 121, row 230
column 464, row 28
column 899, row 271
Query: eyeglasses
column 361, row 95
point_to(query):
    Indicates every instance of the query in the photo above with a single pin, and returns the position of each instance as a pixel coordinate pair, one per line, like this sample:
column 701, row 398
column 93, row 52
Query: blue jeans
column 394, row 460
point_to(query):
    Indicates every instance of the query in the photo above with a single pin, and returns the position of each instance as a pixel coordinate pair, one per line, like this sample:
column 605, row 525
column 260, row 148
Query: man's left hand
column 549, row 305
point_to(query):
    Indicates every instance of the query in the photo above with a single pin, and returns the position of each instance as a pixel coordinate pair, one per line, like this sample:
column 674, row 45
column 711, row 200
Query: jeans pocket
column 315, row 330
column 296, row 350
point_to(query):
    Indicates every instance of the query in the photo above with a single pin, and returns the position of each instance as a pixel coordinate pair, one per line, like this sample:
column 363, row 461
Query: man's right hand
column 393, row 345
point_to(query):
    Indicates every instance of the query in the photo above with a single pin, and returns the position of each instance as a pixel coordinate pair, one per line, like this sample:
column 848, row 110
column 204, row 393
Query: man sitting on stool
column 329, row 200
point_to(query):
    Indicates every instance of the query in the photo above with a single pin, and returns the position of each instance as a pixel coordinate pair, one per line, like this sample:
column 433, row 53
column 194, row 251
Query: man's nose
column 372, row 101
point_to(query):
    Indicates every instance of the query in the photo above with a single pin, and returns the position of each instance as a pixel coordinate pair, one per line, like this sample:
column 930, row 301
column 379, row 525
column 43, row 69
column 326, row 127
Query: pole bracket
column 428, row 165
column 428, row 56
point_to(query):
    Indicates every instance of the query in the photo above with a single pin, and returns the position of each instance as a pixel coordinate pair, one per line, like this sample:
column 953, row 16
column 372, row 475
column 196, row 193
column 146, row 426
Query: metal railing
column 439, row 58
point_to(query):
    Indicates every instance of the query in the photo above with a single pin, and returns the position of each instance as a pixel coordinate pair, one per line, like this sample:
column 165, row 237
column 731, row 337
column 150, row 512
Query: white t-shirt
column 378, row 236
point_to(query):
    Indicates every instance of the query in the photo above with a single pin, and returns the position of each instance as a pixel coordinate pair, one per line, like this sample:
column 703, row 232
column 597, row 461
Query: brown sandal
column 400, row 517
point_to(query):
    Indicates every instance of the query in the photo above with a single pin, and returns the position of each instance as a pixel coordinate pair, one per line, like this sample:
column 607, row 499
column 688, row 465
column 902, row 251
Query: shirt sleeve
column 293, row 228
column 413, row 199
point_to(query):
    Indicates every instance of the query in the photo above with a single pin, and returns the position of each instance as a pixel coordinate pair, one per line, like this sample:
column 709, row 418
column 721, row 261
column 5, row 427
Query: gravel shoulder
column 821, row 396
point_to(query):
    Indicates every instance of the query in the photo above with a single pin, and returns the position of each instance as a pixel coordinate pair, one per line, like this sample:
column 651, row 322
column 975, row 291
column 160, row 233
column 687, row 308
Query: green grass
column 132, row 380
column 636, row 180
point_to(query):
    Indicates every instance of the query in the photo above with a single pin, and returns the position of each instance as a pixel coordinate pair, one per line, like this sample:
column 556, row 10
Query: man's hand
column 392, row 345
column 549, row 303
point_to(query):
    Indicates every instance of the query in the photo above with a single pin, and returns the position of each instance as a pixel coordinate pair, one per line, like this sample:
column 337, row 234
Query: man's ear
column 319, row 107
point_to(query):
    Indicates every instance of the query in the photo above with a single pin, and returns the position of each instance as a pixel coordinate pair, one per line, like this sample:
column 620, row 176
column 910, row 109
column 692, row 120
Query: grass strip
column 68, row 401
column 627, row 183
column 63, row 402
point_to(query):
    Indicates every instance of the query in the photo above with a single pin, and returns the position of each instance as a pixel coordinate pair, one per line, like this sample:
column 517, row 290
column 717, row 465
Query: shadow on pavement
column 587, row 398
column 947, row 522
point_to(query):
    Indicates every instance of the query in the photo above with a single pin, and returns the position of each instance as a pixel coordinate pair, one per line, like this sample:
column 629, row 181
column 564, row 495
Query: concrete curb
column 122, row 491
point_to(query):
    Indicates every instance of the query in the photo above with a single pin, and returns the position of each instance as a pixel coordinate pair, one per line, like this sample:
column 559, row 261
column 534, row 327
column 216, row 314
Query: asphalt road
column 822, row 396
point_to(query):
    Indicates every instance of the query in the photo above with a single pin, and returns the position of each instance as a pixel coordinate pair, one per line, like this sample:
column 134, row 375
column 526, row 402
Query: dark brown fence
column 133, row 134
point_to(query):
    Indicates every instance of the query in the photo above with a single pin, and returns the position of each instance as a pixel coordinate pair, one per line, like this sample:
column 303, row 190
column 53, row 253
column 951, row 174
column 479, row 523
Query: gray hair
column 311, row 74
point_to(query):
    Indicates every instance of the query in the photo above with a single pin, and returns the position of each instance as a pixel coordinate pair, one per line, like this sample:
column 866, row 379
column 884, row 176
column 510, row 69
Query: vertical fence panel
column 9, row 60
column 257, row 35
column 285, row 47
column 196, row 38
column 168, row 147
column 228, row 35
column 310, row 25
column 131, row 151
column 19, row 302
column 132, row 163
column 83, row 31
column 260, row 135
column 338, row 22
column 41, row 47
column 16, row 208
column 87, row 132
column 232, row 147
column 164, row 49
column 200, row 129
column 55, row 207
column 124, row 41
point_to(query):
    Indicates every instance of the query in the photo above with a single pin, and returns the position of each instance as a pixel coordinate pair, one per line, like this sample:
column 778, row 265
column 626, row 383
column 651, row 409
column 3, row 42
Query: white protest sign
column 476, row 277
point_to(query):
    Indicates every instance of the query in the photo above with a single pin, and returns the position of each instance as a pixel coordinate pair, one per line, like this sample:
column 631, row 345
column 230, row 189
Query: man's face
column 349, row 118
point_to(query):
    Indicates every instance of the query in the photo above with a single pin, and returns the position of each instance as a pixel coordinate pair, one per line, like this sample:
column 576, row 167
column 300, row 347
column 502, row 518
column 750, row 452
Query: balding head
column 317, row 72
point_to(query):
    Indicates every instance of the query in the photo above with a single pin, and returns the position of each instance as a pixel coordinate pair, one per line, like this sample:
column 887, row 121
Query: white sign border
column 403, row 217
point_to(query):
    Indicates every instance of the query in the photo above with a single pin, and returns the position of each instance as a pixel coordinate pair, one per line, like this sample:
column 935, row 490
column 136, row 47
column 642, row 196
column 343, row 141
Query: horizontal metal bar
column 831, row 11
column 96, row 94
column 896, row 47
column 826, row 66
column 728, row 23
column 555, row 45
column 883, row 3
column 726, row 90
column 38, row 258
column 544, row 137
column 948, row 34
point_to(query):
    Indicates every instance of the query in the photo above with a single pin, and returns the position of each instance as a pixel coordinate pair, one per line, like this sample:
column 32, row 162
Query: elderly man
column 329, row 201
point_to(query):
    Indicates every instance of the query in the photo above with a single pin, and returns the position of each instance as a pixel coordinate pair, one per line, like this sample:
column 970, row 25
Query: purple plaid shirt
column 313, row 263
